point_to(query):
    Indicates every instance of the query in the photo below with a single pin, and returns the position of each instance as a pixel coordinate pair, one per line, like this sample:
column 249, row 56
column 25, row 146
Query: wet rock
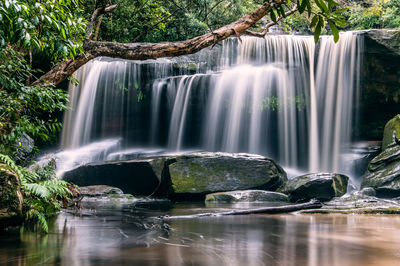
column 380, row 77
column 359, row 202
column 247, row 196
column 11, row 200
column 322, row 186
column 383, row 40
column 391, row 127
column 203, row 173
column 183, row 177
column 24, row 148
column 383, row 172
column 138, row 177
column 367, row 191
column 99, row 190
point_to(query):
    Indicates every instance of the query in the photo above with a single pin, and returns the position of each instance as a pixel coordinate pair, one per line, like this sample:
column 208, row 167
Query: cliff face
column 380, row 81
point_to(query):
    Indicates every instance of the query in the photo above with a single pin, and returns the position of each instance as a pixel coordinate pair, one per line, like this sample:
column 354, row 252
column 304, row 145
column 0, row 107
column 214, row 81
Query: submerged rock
column 202, row 173
column 322, row 186
column 247, row 196
column 99, row 190
column 11, row 200
column 359, row 202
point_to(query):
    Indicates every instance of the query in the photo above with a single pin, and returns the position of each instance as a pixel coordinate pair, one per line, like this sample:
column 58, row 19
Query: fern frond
column 6, row 161
column 37, row 190
column 40, row 218
column 57, row 187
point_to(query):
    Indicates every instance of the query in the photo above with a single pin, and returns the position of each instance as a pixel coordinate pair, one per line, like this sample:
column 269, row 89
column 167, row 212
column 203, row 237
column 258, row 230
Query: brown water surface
column 130, row 235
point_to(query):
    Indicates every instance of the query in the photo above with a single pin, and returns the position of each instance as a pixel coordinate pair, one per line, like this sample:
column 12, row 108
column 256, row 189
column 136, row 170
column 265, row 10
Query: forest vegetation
column 43, row 42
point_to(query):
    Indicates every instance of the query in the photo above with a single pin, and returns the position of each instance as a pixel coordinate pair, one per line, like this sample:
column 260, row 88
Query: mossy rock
column 11, row 200
column 322, row 186
column 202, row 173
column 383, row 173
column 390, row 127
column 247, row 196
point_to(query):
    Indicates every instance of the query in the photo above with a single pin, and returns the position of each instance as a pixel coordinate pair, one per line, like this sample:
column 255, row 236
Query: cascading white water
column 281, row 96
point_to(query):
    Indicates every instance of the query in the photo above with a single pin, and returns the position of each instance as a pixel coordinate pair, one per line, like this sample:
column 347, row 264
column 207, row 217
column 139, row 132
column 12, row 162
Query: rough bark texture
column 143, row 51
column 313, row 204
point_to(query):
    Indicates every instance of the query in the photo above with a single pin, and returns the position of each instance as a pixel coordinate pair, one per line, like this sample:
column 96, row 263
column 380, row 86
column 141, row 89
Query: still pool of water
column 126, row 234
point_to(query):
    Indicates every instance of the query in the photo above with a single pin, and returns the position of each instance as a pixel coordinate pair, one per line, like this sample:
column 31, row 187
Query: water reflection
column 123, row 235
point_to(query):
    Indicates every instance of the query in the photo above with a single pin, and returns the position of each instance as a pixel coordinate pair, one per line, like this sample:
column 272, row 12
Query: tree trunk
column 143, row 51
column 313, row 204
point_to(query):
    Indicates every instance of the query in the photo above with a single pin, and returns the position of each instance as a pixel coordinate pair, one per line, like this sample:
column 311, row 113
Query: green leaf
column 273, row 15
column 63, row 33
column 334, row 30
column 309, row 8
column 338, row 11
column 333, row 3
column 319, row 28
column 282, row 11
column 314, row 21
column 302, row 6
column 322, row 6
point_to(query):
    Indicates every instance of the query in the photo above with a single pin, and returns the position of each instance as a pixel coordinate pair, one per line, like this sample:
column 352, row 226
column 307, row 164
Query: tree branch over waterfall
column 143, row 51
column 328, row 12
column 270, row 24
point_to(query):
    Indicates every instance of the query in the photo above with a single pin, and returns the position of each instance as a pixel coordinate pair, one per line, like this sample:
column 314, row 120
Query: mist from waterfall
column 280, row 96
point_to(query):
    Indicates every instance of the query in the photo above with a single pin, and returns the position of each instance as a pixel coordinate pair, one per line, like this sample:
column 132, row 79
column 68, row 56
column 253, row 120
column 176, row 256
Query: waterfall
column 281, row 96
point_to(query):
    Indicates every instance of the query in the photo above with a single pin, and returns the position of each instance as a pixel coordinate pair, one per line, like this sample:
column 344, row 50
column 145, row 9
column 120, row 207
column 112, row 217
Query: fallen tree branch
column 143, row 51
column 313, row 204
column 270, row 24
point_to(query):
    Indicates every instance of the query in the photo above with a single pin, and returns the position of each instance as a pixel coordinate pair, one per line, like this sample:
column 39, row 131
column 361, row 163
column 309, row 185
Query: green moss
column 339, row 185
column 393, row 124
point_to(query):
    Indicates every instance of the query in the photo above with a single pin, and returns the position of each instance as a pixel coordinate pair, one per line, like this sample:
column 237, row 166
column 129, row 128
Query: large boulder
column 247, row 196
column 138, row 177
column 11, row 200
column 383, row 173
column 322, row 186
column 198, row 174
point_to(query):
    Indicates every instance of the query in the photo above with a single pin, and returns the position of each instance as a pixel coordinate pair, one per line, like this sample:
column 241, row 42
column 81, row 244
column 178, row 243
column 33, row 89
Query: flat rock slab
column 322, row 186
column 247, row 196
column 359, row 202
column 99, row 190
